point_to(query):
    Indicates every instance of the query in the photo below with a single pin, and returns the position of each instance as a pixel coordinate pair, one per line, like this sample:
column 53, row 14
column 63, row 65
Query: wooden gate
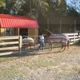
column 10, row 45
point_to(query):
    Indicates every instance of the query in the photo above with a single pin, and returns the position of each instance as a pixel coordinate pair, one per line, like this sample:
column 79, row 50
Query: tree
column 58, row 8
column 26, row 7
column 72, row 12
column 1, row 6
column 34, row 8
column 1, row 3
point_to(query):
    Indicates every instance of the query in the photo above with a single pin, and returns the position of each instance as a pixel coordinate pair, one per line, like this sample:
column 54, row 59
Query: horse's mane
column 48, row 32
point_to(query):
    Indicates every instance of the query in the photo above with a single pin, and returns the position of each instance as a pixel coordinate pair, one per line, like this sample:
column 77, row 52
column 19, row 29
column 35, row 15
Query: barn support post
column 74, row 28
column 74, row 25
column 0, row 31
column 47, row 23
column 18, row 31
column 20, row 44
column 60, row 25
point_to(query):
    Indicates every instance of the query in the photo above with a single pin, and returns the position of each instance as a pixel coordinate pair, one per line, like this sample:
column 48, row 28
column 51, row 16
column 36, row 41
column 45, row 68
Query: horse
column 28, row 42
column 57, row 38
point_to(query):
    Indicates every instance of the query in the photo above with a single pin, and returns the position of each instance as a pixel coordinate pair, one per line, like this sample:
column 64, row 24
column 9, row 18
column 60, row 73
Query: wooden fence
column 74, row 37
column 10, row 45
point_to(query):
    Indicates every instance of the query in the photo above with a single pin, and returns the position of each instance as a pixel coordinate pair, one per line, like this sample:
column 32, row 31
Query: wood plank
column 75, row 40
column 70, row 33
column 71, row 43
column 9, row 48
column 9, row 37
column 8, row 53
column 8, row 43
column 74, row 37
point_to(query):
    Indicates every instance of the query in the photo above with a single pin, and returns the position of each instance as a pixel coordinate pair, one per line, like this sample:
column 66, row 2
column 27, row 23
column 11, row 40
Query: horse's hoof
column 50, row 50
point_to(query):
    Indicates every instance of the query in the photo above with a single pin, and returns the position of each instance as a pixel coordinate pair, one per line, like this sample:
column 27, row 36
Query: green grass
column 41, row 63
column 12, row 66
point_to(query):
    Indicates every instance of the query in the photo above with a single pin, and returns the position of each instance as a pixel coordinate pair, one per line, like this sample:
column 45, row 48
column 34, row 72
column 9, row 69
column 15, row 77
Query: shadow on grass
column 77, row 43
column 19, row 55
column 31, row 53
column 24, row 54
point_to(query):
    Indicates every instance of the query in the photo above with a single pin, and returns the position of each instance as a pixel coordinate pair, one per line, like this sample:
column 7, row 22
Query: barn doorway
column 23, row 32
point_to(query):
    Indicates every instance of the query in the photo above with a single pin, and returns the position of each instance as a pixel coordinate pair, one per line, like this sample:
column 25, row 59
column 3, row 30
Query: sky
column 68, row 1
column 76, row 4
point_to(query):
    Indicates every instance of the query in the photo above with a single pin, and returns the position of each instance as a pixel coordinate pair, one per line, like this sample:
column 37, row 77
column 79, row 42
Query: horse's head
column 47, row 32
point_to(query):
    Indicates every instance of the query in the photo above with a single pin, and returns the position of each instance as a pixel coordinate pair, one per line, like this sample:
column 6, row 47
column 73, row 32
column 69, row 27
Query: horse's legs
column 50, row 45
column 68, row 45
column 63, row 47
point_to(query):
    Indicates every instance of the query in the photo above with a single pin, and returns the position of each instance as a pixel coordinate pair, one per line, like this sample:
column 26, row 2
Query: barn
column 12, row 25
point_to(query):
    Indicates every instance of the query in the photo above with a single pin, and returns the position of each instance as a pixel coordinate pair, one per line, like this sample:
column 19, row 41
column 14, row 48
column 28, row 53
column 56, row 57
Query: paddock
column 74, row 38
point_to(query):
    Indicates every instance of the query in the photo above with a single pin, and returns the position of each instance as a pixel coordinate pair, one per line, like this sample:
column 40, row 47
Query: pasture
column 42, row 65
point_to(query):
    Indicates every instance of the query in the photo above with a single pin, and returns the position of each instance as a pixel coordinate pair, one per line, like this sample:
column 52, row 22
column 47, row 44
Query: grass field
column 42, row 65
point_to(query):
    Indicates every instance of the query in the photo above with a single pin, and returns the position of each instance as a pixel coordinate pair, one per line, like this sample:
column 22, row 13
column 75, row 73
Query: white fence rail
column 10, row 45
column 74, row 37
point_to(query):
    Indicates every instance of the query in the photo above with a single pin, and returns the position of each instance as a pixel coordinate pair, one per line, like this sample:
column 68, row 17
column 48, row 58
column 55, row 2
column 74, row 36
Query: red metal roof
column 11, row 21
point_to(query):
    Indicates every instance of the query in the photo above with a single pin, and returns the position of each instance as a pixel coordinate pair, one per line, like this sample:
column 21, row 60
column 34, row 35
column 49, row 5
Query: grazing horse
column 57, row 38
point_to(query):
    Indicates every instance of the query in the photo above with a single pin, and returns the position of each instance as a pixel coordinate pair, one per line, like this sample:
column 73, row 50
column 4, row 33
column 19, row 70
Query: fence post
column 20, row 44
column 74, row 38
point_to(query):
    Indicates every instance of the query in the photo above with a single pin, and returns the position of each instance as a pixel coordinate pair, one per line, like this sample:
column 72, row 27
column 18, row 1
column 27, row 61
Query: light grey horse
column 57, row 38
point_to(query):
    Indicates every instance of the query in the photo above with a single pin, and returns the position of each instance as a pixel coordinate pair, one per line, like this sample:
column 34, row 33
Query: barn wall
column 2, row 31
column 33, row 32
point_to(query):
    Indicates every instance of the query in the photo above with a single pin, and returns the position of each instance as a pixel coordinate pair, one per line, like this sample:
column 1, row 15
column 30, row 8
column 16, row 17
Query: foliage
column 58, row 8
column 72, row 12
column 34, row 8
column 1, row 3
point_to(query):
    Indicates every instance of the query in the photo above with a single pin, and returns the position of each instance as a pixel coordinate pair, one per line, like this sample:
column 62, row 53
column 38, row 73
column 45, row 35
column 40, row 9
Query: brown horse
column 57, row 38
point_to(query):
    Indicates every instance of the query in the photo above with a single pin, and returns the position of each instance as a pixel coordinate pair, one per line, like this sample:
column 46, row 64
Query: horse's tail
column 68, row 44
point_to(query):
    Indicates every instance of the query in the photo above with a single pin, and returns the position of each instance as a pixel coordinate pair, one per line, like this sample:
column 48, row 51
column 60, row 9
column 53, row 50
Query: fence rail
column 10, row 45
column 74, row 37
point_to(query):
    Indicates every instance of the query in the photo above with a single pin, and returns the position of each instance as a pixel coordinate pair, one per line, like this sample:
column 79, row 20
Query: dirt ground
column 42, row 65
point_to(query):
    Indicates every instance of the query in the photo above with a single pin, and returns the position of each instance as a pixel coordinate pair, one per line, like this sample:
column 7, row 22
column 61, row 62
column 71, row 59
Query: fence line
column 10, row 45
column 74, row 37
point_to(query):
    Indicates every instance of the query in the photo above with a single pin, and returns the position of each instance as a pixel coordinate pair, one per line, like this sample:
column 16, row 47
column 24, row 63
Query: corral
column 43, row 64
column 74, row 38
